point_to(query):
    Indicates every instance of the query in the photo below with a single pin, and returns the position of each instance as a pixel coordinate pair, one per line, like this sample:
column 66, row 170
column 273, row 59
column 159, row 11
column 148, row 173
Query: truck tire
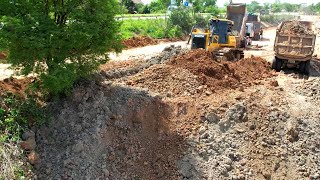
column 243, row 43
column 276, row 64
column 304, row 67
column 256, row 37
column 307, row 67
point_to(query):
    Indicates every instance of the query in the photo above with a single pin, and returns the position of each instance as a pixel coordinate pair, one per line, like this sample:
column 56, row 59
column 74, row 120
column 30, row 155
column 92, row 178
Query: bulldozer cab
column 220, row 28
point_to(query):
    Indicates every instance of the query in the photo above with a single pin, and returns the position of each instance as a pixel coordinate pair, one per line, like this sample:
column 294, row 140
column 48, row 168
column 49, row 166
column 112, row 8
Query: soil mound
column 166, row 79
column 139, row 41
column 219, row 75
column 196, row 72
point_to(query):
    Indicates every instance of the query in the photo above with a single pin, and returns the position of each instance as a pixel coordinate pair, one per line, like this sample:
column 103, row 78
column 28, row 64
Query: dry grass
column 11, row 161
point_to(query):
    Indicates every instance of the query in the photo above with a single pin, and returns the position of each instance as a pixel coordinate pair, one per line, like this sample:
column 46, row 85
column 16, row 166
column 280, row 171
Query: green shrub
column 16, row 114
column 49, row 37
column 143, row 27
column 182, row 17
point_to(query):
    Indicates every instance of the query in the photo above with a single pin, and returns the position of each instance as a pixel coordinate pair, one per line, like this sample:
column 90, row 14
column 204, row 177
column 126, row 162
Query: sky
column 220, row 3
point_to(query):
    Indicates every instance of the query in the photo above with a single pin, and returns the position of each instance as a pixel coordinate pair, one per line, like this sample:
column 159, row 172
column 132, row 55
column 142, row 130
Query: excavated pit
column 109, row 131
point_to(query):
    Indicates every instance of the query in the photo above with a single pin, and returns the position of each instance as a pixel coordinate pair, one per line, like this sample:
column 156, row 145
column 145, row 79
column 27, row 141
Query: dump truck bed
column 295, row 41
column 236, row 12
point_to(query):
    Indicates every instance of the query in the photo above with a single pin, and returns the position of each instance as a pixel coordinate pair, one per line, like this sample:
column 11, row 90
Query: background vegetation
column 178, row 24
column 209, row 6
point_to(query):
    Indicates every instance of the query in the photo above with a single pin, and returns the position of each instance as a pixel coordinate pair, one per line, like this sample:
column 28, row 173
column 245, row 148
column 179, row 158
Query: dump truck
column 253, row 26
column 294, row 45
column 237, row 12
column 225, row 38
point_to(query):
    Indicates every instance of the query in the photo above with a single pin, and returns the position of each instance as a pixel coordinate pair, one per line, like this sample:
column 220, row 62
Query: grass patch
column 13, row 164
column 139, row 15
column 155, row 28
column 17, row 114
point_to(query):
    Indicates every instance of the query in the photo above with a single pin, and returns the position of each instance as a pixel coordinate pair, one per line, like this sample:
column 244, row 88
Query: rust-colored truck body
column 237, row 12
column 294, row 47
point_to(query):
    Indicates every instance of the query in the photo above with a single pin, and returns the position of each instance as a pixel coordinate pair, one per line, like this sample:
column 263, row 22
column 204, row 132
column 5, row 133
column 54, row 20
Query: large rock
column 33, row 157
column 185, row 168
column 29, row 144
column 237, row 113
column 212, row 117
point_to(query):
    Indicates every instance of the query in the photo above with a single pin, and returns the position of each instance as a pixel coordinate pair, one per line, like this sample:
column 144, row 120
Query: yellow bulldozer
column 225, row 38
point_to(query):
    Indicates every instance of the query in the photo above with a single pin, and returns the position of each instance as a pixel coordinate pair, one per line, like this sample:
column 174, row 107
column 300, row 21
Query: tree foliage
column 58, row 39
column 254, row 7
column 207, row 6
column 157, row 6
column 312, row 9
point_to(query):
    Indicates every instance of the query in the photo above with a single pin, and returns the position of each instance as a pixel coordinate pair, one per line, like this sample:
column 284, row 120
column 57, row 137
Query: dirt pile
column 217, row 75
column 257, row 137
column 139, row 41
column 310, row 89
column 119, row 69
column 196, row 72
column 296, row 27
column 167, row 80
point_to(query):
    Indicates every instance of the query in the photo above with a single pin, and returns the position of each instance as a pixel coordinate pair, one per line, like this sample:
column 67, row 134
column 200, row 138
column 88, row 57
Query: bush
column 185, row 19
column 182, row 17
column 58, row 40
column 144, row 27
column 16, row 114
column 276, row 19
column 178, row 24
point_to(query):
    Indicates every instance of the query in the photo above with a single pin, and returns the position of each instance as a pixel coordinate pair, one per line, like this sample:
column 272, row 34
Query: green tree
column 254, row 7
column 58, row 39
column 290, row 7
column 276, row 7
column 159, row 5
column 129, row 5
column 208, row 6
column 266, row 6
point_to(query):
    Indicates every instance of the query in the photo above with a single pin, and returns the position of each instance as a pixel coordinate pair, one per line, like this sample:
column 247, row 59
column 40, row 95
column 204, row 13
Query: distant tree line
column 160, row 6
column 209, row 6
column 255, row 7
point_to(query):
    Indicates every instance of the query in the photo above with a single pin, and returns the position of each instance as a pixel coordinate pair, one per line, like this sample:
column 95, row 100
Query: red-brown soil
column 139, row 41
column 196, row 72
column 15, row 86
